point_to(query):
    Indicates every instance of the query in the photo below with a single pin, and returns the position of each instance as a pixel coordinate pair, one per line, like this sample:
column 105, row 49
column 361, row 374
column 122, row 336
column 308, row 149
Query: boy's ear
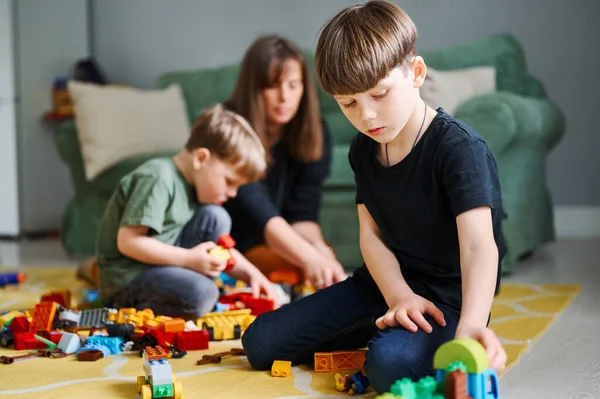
column 420, row 71
column 199, row 157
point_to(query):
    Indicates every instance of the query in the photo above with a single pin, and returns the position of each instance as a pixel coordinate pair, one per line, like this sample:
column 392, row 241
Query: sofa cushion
column 115, row 123
column 449, row 89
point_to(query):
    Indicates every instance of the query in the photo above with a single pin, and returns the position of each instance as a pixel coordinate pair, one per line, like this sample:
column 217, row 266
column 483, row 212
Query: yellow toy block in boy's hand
column 281, row 368
column 220, row 252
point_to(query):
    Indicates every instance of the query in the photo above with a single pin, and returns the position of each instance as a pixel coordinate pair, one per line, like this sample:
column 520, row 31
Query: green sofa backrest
column 205, row 87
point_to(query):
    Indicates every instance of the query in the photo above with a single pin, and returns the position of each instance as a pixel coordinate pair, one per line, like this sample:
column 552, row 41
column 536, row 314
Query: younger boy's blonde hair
column 229, row 137
column 361, row 45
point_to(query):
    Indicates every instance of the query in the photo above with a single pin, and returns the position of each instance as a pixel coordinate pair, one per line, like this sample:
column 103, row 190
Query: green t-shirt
column 155, row 195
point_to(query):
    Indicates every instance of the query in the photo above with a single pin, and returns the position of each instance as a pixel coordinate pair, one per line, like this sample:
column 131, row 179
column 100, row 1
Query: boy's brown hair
column 261, row 68
column 361, row 45
column 229, row 137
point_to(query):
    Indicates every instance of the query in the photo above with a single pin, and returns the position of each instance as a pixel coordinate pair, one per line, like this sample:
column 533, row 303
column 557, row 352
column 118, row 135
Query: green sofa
column 519, row 122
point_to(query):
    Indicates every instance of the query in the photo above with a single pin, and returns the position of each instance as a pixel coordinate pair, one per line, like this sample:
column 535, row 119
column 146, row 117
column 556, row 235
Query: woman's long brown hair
column 303, row 133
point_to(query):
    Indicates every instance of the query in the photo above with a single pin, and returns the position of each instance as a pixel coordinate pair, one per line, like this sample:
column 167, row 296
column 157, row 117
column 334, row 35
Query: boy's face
column 382, row 112
column 215, row 181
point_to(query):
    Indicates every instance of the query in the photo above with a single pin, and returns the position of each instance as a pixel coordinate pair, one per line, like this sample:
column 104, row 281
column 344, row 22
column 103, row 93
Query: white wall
column 136, row 40
column 9, row 201
column 50, row 37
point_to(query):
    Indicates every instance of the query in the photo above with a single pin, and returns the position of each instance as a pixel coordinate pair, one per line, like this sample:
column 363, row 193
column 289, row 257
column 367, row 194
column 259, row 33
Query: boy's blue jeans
column 342, row 317
column 175, row 291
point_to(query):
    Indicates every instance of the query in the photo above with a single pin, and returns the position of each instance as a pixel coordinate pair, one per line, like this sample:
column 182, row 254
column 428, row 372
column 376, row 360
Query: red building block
column 192, row 340
column 258, row 305
column 19, row 324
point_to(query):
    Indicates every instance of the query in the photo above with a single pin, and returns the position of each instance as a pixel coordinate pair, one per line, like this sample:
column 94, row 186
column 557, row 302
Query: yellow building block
column 281, row 368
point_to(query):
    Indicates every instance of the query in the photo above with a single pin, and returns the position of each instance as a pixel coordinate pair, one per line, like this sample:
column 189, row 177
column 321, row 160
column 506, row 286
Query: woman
column 275, row 222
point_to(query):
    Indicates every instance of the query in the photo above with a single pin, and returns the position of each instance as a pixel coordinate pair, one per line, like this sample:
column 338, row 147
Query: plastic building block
column 226, row 325
column 43, row 316
column 49, row 344
column 174, row 325
column 12, row 278
column 222, row 250
column 62, row 297
column 462, row 372
column 26, row 340
column 468, row 351
column 340, row 360
column 281, row 368
column 91, row 347
column 19, row 324
column 69, row 343
column 192, row 340
column 114, row 344
column 90, row 355
column 90, row 295
column 89, row 318
column 256, row 305
column 288, row 277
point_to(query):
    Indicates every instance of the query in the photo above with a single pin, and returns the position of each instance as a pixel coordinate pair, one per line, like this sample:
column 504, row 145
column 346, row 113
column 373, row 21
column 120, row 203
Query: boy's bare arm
column 133, row 242
column 479, row 265
column 380, row 261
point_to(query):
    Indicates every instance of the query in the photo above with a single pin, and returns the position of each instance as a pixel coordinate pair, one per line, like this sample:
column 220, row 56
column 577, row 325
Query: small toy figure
column 355, row 383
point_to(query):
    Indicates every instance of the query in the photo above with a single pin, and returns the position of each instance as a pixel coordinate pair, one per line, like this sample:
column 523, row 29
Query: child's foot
column 88, row 271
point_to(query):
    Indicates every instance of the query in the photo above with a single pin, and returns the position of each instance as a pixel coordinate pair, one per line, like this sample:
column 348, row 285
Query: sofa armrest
column 504, row 117
column 69, row 150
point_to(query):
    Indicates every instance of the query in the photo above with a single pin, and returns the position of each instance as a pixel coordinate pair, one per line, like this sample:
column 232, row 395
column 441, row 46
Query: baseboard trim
column 577, row 221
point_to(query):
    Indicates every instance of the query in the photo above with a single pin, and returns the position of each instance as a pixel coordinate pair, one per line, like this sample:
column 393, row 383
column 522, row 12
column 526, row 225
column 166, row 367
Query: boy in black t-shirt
column 429, row 207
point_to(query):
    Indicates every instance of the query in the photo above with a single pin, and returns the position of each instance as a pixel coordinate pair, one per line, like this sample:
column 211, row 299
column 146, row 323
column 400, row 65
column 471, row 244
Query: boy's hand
column 321, row 271
column 489, row 340
column 408, row 311
column 199, row 260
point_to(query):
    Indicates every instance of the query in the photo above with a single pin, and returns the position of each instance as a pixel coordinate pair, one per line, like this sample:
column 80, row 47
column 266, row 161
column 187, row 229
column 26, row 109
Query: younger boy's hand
column 408, row 312
column 199, row 260
column 489, row 340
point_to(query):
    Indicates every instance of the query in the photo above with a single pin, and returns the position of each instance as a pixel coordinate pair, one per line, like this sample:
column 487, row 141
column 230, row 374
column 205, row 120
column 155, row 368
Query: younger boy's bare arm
column 479, row 265
column 133, row 242
column 380, row 261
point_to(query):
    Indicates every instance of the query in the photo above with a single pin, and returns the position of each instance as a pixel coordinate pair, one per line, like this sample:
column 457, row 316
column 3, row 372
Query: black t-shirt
column 292, row 189
column 415, row 202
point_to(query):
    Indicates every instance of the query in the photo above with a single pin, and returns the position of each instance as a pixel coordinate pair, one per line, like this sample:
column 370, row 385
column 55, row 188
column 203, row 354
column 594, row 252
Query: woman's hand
column 321, row 271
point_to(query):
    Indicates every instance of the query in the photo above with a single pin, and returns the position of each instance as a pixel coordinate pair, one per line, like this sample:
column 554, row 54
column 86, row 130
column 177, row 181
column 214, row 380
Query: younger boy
column 429, row 207
column 165, row 216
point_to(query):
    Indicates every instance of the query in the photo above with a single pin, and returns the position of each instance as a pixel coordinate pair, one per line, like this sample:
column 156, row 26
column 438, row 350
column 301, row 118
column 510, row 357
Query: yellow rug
column 521, row 313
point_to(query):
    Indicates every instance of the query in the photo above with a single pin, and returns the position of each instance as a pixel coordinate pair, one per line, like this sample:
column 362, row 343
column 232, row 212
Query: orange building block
column 155, row 353
column 174, row 325
column 43, row 317
column 341, row 360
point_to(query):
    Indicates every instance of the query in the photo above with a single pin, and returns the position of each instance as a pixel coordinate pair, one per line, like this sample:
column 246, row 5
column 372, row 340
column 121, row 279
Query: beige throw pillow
column 116, row 122
column 449, row 89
